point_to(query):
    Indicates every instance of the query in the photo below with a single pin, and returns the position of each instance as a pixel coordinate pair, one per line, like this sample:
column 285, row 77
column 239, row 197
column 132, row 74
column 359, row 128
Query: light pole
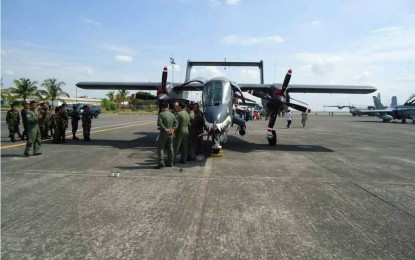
column 172, row 69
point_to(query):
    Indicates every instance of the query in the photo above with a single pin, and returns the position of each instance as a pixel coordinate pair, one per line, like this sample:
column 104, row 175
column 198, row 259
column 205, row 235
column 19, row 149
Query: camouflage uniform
column 166, row 120
column 75, row 116
column 33, row 132
column 192, row 140
column 58, row 126
column 24, row 121
column 42, row 122
column 13, row 121
column 86, row 125
column 199, row 124
column 182, row 133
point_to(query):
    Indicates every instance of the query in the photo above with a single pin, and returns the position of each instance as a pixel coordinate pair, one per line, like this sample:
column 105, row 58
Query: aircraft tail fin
column 378, row 104
column 394, row 101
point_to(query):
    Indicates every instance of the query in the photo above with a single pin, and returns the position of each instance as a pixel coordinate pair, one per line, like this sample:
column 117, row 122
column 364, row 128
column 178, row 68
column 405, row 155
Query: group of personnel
column 39, row 124
column 180, row 132
column 289, row 117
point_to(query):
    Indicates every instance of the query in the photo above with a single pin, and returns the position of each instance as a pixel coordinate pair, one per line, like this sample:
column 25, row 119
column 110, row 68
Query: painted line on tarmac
column 92, row 132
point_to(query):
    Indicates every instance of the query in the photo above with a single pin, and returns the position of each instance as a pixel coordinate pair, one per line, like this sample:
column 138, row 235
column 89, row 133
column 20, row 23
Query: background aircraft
column 220, row 94
column 401, row 112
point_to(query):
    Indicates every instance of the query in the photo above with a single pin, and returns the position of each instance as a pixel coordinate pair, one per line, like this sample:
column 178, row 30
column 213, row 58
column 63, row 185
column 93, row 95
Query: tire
column 96, row 114
column 273, row 140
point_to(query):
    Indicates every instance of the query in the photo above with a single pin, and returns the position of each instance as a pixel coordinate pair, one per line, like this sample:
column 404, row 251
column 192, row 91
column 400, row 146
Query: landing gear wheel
column 273, row 140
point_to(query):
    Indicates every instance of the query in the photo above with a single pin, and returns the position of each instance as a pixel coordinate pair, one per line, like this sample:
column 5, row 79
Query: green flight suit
column 33, row 132
column 13, row 121
column 192, row 140
column 166, row 120
column 181, row 135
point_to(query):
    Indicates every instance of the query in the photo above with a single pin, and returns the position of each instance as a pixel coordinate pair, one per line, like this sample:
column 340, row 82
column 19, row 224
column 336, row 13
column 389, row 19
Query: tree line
column 26, row 89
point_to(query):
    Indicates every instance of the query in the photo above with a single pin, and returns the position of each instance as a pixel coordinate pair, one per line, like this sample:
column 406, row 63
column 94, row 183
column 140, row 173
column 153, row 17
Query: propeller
column 286, row 81
column 163, row 89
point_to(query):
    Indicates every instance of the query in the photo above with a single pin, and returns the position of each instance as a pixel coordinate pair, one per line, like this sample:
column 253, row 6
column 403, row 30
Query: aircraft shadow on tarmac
column 240, row 145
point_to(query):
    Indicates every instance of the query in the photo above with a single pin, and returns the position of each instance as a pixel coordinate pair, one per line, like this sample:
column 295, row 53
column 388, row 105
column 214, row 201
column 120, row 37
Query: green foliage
column 108, row 105
column 53, row 89
column 25, row 89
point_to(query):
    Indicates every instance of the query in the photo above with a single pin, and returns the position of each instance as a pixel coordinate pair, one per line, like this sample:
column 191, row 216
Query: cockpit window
column 216, row 92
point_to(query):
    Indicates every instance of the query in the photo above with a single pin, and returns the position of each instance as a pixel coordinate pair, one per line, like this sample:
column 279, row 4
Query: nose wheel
column 272, row 140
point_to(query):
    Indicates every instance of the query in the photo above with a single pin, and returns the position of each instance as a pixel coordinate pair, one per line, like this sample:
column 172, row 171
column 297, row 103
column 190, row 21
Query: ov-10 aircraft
column 219, row 95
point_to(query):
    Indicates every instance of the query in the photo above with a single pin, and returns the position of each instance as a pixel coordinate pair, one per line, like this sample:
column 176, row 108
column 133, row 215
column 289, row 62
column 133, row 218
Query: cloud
column 232, row 2
column 124, row 58
column 207, row 72
column 119, row 48
column 316, row 23
column 3, row 52
column 235, row 39
column 248, row 75
column 228, row 2
column 9, row 73
column 89, row 72
column 90, row 21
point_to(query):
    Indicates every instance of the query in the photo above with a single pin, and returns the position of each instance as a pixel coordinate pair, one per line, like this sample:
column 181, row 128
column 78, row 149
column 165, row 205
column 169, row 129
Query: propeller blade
column 164, row 79
column 286, row 81
column 297, row 107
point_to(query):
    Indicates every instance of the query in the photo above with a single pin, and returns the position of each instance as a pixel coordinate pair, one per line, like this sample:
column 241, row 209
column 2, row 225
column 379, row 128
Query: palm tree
column 53, row 89
column 7, row 95
column 25, row 88
column 111, row 96
column 121, row 96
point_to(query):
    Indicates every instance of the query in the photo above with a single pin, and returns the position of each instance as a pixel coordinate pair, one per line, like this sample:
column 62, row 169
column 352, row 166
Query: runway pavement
column 343, row 187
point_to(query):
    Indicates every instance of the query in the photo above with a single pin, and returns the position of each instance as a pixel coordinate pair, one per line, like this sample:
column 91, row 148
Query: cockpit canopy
column 216, row 92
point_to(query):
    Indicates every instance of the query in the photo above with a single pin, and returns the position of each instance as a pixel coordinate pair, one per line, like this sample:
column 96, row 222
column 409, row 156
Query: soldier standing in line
column 65, row 118
column 192, row 139
column 47, row 120
column 24, row 120
column 75, row 117
column 86, row 124
column 13, row 121
column 199, row 128
column 182, row 133
column 166, row 122
column 57, row 125
column 42, row 122
column 33, row 130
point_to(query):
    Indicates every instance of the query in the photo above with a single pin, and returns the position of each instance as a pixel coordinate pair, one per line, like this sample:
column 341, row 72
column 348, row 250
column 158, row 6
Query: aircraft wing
column 120, row 85
column 301, row 88
column 330, row 89
column 386, row 110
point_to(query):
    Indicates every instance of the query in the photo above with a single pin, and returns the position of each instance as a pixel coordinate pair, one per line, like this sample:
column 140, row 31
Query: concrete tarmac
column 343, row 187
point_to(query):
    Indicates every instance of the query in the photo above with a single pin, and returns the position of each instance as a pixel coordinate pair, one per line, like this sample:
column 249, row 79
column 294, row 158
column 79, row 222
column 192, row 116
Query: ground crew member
column 42, row 123
column 182, row 133
column 75, row 117
column 199, row 128
column 289, row 117
column 192, row 139
column 57, row 125
column 33, row 130
column 167, row 123
column 86, row 124
column 65, row 117
column 24, row 120
column 47, row 121
column 13, row 121
column 304, row 118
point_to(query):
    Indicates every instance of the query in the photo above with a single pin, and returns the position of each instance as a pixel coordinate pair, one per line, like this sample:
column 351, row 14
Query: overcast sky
column 363, row 42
